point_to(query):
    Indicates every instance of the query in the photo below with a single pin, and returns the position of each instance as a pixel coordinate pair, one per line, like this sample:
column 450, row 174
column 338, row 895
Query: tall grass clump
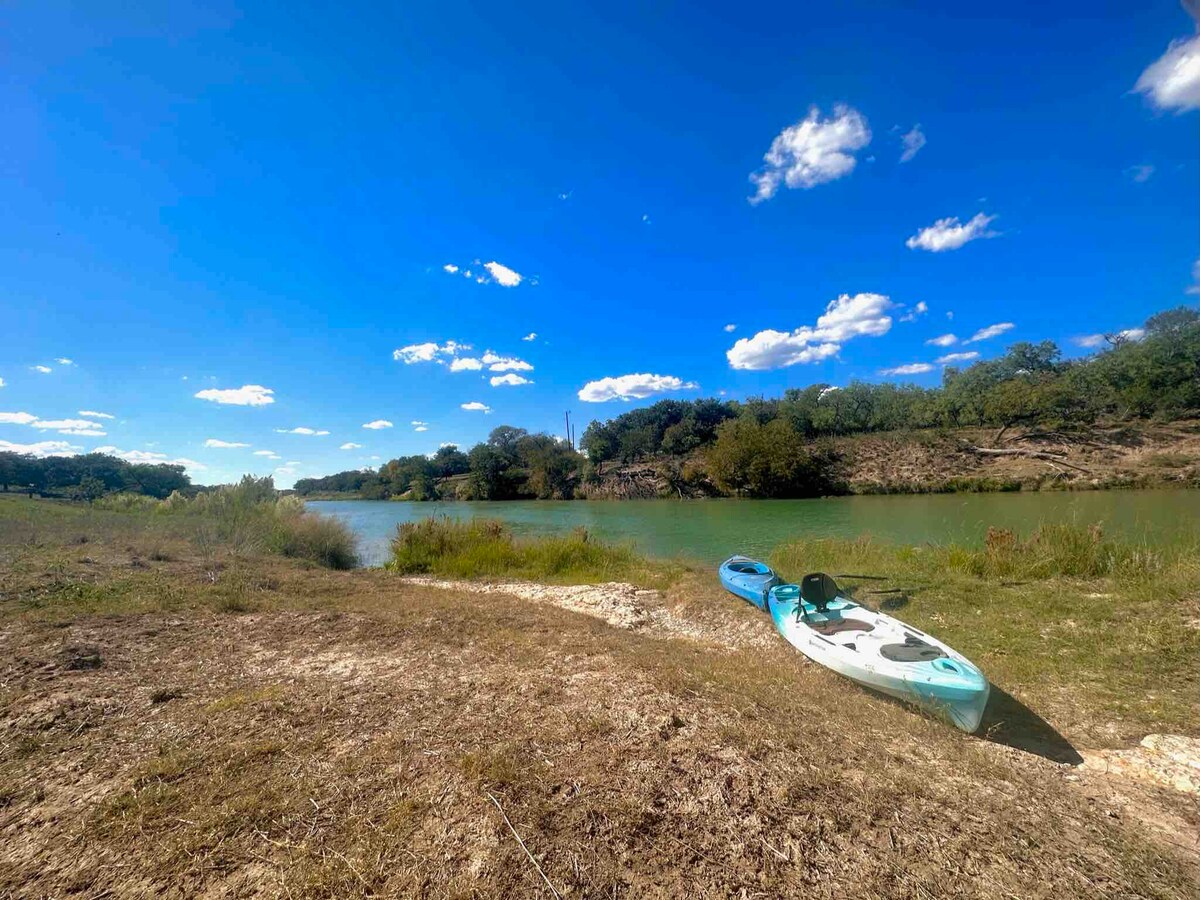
column 250, row 517
column 485, row 548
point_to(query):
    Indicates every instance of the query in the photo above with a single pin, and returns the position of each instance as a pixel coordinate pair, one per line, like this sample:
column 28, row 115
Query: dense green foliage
column 89, row 477
column 779, row 447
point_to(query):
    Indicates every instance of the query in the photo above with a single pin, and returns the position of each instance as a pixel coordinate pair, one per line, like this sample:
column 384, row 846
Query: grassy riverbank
column 183, row 710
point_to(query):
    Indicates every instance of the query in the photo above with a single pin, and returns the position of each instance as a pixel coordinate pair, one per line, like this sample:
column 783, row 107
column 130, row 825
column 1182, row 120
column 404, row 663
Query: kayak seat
column 912, row 650
column 818, row 589
column 838, row 626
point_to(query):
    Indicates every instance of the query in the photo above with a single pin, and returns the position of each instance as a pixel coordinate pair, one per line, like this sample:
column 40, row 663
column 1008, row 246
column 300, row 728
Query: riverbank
column 203, row 718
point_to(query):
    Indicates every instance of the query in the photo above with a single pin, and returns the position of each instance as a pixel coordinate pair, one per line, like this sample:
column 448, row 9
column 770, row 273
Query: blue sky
column 235, row 221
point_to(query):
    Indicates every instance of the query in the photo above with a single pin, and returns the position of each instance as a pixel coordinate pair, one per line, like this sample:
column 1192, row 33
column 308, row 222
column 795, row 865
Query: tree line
column 90, row 476
column 778, row 447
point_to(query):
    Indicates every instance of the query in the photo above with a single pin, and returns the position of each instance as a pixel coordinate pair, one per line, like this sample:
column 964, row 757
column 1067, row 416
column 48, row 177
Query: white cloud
column 42, row 449
column 730, row 328
column 444, row 444
column 532, row 336
column 43, row 369
column 476, row 406
column 428, row 352
column 912, row 142
column 269, row 454
column 1173, row 80
column 632, row 387
column 92, row 414
column 1140, row 174
column 63, row 361
column 1194, row 288
column 220, row 444
column 497, row 363
column 84, row 432
column 350, row 445
column 951, row 358
column 503, row 275
column 64, row 425
column 564, row 195
column 17, row 418
column 509, row 379
column 466, row 364
column 415, row 422
column 378, row 424
column 812, row 152
column 246, row 395
column 152, row 457
column 950, row 234
column 301, row 429
column 908, row 369
column 990, row 332
column 421, row 428
column 943, row 340
column 916, row 312
column 450, row 267
column 1, row 382
column 1099, row 340
column 844, row 318
column 645, row 218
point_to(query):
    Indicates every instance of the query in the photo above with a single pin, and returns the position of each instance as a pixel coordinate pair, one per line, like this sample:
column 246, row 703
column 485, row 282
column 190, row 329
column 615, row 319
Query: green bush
column 485, row 548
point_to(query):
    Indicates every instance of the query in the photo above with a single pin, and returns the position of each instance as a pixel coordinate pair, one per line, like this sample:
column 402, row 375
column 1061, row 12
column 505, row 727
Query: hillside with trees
column 1029, row 404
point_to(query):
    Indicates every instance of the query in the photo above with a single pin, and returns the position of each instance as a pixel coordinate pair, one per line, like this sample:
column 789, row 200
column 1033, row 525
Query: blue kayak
column 748, row 579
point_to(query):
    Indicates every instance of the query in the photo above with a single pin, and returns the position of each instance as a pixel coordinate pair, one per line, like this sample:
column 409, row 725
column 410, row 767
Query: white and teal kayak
column 878, row 651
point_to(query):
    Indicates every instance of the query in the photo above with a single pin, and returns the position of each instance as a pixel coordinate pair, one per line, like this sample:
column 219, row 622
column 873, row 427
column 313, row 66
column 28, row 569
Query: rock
column 1167, row 759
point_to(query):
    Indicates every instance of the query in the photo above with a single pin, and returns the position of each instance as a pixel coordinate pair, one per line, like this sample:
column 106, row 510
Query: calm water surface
column 711, row 530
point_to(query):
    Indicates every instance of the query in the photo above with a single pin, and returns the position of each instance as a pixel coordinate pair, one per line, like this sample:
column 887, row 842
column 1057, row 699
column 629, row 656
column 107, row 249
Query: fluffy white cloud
column 63, row 361
column 632, row 387
column 269, row 454
column 17, row 418
column 428, row 352
column 1173, row 80
column 1194, row 288
column 532, row 336
column 509, row 379
column 301, row 429
column 730, row 328
column 912, row 142
column 220, row 444
column 950, row 234
column 350, row 445
column 42, row 449
column 466, row 364
column 497, row 363
column 43, row 369
column 246, row 395
column 951, row 358
column 845, row 318
column 450, row 267
column 92, row 414
column 990, row 332
column 421, row 428
column 916, row 312
column 1092, row 341
column 378, row 424
column 908, row 369
column 503, row 275
column 812, row 152
column 943, row 340
column 151, row 456
column 476, row 406
column 416, row 422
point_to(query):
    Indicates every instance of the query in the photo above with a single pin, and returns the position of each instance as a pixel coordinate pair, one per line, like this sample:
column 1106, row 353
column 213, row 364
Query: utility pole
column 570, row 439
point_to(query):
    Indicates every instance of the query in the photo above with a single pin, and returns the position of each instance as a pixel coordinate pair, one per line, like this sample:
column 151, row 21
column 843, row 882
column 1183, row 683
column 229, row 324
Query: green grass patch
column 486, row 548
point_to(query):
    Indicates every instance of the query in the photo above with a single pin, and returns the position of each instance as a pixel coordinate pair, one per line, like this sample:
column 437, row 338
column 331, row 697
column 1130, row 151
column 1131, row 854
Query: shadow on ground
column 1010, row 722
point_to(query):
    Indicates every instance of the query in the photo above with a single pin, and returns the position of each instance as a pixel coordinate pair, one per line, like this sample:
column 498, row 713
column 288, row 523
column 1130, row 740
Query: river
column 711, row 530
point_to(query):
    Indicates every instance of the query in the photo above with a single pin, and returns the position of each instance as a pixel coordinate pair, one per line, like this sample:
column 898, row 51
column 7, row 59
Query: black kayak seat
column 818, row 589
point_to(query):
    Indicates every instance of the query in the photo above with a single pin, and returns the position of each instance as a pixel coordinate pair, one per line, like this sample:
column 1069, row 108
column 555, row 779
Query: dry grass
column 341, row 739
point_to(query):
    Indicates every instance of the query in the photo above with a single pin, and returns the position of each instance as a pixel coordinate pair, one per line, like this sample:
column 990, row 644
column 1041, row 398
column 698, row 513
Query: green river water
column 711, row 530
